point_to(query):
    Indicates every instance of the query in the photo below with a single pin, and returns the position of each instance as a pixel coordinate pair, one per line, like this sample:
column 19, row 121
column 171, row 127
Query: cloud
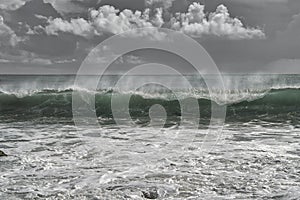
column 159, row 3
column 11, row 4
column 4, row 61
column 65, row 61
column 73, row 6
column 8, row 38
column 40, row 61
column 76, row 26
column 65, row 6
column 196, row 23
column 219, row 23
column 131, row 59
column 106, row 19
column 23, row 57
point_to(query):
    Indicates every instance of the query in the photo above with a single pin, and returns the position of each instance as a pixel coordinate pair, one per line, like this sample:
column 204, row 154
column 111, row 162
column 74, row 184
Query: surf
column 58, row 103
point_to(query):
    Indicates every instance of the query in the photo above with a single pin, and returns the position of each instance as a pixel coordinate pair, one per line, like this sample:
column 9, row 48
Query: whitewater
column 257, row 156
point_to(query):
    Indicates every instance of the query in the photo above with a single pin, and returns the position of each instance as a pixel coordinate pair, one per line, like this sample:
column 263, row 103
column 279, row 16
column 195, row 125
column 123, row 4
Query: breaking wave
column 48, row 102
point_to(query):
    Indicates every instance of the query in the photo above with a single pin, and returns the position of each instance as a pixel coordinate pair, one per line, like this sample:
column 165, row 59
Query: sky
column 241, row 36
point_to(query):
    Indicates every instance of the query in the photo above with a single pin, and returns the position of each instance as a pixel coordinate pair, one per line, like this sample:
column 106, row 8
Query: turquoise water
column 257, row 155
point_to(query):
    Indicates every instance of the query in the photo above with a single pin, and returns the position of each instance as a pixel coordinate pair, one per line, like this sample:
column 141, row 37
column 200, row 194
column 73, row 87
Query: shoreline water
column 256, row 156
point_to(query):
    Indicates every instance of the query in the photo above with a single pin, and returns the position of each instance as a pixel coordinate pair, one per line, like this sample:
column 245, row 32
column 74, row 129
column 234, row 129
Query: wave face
column 267, row 97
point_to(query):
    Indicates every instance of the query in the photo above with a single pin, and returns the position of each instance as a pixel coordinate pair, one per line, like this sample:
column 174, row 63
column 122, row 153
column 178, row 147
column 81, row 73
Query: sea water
column 256, row 156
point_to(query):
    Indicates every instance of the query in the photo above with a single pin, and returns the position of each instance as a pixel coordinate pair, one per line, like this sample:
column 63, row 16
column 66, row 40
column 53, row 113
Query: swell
column 275, row 102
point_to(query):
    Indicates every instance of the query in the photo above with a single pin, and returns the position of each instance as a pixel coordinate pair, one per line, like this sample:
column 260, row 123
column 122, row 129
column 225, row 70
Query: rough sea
column 256, row 156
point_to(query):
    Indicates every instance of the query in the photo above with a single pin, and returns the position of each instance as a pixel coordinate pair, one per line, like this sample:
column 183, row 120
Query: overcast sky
column 242, row 36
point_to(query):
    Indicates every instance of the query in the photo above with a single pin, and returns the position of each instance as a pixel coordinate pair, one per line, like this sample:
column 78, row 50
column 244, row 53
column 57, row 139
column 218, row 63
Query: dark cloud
column 29, row 12
column 86, row 3
column 35, row 13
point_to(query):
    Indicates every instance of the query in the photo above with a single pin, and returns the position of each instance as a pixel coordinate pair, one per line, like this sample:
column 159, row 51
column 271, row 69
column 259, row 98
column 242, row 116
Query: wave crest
column 59, row 102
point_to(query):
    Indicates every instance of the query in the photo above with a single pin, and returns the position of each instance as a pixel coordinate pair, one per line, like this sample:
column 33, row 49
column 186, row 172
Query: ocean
column 255, row 156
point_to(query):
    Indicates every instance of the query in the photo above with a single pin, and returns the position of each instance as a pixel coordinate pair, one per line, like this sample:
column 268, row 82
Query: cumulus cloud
column 106, row 19
column 219, row 23
column 76, row 26
column 8, row 38
column 195, row 23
